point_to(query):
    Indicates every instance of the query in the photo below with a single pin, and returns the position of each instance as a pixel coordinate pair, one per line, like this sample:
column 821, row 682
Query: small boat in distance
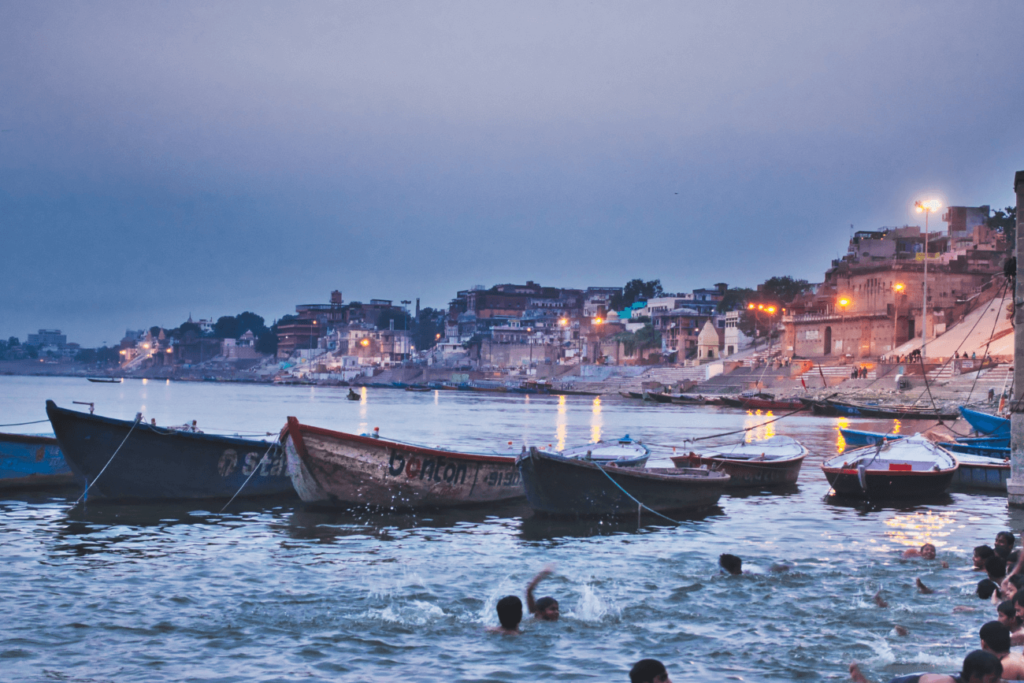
column 568, row 487
column 32, row 461
column 106, row 380
column 767, row 462
column 418, row 388
column 623, row 453
column 898, row 412
column 337, row 469
column 156, row 463
column 788, row 405
column 352, row 395
column 907, row 468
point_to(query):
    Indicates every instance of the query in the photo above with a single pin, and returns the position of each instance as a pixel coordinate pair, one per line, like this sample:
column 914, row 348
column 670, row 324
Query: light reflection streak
column 561, row 423
column 914, row 529
column 756, row 427
column 841, row 423
column 596, row 420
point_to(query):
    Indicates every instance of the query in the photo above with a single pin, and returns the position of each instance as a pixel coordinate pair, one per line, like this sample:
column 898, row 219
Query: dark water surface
column 272, row 591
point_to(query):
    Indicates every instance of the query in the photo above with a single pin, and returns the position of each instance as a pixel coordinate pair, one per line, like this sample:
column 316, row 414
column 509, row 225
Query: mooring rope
column 251, row 475
column 634, row 499
column 19, row 424
column 88, row 484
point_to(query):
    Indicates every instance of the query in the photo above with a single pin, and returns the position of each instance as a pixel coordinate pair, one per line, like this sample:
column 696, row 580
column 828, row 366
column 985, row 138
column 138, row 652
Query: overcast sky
column 158, row 159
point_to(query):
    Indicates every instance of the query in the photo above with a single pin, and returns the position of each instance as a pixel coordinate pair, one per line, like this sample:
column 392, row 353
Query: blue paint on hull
column 161, row 464
column 983, row 423
column 32, row 461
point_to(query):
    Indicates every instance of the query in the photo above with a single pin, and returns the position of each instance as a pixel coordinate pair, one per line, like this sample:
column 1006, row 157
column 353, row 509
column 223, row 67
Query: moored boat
column 346, row 470
column 986, row 424
column 155, row 463
column 756, row 403
column 997, row 452
column 352, row 395
column 767, row 462
column 624, row 452
column 899, row 412
column 105, row 380
column 576, row 488
column 31, row 461
column 978, row 472
column 854, row 437
column 657, row 397
column 417, row 388
column 906, row 468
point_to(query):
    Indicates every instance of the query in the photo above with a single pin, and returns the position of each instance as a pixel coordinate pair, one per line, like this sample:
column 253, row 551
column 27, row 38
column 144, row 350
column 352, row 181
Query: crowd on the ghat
column 992, row 662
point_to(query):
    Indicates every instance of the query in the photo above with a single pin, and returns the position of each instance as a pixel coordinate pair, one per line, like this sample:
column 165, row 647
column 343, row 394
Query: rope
column 634, row 499
column 251, row 474
column 995, row 323
column 88, row 484
column 19, row 424
column 736, row 431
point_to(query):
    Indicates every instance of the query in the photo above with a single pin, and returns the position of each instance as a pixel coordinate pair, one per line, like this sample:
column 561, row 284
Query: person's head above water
column 510, row 612
column 995, row 567
column 731, row 564
column 982, row 553
column 547, row 609
column 1005, row 538
column 981, row 667
column 995, row 638
column 928, row 551
column 1007, row 614
column 986, row 587
column 648, row 671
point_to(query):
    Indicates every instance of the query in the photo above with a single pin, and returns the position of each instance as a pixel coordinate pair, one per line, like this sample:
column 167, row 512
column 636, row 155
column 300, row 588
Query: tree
column 250, row 321
column 782, row 290
column 400, row 317
column 1006, row 221
column 226, row 327
column 155, row 331
column 425, row 331
column 735, row 298
column 635, row 290
column 186, row 328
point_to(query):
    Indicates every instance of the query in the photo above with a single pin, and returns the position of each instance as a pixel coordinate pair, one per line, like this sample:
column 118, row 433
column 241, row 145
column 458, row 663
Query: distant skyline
column 212, row 158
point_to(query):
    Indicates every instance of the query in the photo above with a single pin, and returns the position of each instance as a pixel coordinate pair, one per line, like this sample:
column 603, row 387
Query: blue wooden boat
column 31, row 461
column 995, row 441
column 897, row 412
column 576, row 488
column 981, row 473
column 986, row 424
column 853, row 437
column 164, row 464
column 997, row 452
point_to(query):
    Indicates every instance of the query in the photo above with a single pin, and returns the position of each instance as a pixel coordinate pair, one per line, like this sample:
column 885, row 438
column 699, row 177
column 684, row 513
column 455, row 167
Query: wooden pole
column 1015, row 487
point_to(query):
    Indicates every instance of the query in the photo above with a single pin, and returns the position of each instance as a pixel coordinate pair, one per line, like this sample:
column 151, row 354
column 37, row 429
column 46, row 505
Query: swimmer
column 987, row 588
column 995, row 638
column 1011, row 585
column 649, row 671
column 979, row 667
column 545, row 609
column 995, row 567
column 923, row 588
column 731, row 564
column 981, row 553
column 879, row 600
column 1018, row 605
column 927, row 552
column 1004, row 539
column 1006, row 614
column 510, row 613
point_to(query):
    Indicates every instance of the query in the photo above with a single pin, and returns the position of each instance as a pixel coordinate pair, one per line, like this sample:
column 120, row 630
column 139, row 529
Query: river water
column 272, row 591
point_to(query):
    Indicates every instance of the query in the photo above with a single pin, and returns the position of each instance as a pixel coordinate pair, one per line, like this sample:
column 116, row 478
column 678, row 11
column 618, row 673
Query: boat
column 854, row 437
column 105, row 380
column 997, row 452
column 899, row 412
column 657, row 397
column 755, row 403
column 906, row 468
column 993, row 441
column 568, row 487
column 154, row 463
column 687, row 400
column 32, row 461
column 353, row 395
column 820, row 407
column 986, row 424
column 417, row 387
column 624, row 452
column 731, row 401
column 767, row 462
column 337, row 469
column 981, row 473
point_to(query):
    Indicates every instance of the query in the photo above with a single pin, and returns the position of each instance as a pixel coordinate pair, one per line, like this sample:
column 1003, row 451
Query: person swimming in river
column 730, row 563
column 510, row 613
column 545, row 609
column 995, row 638
column 978, row 667
column 649, row 671
column 981, row 554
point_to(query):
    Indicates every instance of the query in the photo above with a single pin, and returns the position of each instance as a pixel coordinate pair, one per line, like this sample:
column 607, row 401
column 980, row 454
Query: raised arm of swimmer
column 545, row 609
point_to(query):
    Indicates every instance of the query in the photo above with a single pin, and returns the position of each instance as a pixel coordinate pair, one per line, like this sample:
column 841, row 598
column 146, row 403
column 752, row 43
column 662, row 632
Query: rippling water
column 271, row 591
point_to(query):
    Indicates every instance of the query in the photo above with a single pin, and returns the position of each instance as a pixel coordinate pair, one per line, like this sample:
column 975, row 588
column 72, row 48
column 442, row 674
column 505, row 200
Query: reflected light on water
column 596, row 420
column 913, row 529
column 896, row 426
column 756, row 427
column 561, row 423
column 145, row 381
column 841, row 423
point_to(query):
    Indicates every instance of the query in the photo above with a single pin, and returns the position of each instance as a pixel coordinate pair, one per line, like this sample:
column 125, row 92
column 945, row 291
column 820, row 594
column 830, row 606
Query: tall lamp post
column 897, row 289
column 926, row 207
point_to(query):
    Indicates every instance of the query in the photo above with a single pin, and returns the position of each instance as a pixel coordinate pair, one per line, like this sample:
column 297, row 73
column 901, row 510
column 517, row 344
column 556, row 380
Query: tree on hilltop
column 636, row 290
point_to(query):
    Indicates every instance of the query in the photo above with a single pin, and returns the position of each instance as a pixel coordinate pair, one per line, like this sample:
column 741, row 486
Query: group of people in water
column 992, row 662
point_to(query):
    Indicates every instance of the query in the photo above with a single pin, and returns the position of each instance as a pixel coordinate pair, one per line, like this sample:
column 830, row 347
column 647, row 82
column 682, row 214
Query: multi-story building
column 47, row 338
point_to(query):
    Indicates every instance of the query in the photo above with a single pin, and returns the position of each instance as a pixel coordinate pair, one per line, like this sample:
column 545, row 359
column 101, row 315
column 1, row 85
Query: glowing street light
column 926, row 207
column 563, row 322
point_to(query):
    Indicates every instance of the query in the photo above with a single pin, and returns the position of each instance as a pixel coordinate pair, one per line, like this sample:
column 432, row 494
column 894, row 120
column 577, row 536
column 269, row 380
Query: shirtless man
column 545, row 609
column 981, row 553
column 1006, row 614
column 510, row 613
column 995, row 638
column 927, row 552
column 649, row 671
column 979, row 667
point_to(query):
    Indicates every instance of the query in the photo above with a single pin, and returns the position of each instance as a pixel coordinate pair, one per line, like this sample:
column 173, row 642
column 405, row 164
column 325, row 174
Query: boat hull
column 906, row 468
column 857, row 438
column 562, row 487
column 32, row 462
column 162, row 464
column 984, row 423
column 336, row 469
column 890, row 486
column 983, row 476
column 899, row 413
column 747, row 474
column 765, row 404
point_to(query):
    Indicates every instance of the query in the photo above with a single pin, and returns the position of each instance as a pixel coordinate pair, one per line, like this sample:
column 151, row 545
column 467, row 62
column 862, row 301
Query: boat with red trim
column 338, row 469
column 766, row 462
column 905, row 468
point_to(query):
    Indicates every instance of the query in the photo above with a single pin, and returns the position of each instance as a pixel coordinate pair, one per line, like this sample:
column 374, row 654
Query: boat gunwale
column 827, row 469
column 29, row 439
column 636, row 472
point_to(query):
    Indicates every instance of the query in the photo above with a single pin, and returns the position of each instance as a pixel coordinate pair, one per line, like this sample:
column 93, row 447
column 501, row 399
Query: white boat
column 905, row 468
column 765, row 462
column 624, row 452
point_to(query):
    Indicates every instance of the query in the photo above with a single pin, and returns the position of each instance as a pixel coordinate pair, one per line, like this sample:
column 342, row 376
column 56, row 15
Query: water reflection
column 541, row 528
column 596, row 420
column 918, row 527
column 757, row 425
column 561, row 423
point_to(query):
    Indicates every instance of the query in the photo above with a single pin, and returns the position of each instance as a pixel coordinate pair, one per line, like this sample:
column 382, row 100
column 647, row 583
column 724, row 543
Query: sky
column 163, row 159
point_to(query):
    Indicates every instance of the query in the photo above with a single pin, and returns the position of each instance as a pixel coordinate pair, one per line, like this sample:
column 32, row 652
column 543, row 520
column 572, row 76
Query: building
column 47, row 338
column 708, row 344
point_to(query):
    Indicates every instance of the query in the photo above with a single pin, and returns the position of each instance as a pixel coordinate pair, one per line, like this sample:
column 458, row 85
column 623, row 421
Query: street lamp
column 897, row 289
column 926, row 207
